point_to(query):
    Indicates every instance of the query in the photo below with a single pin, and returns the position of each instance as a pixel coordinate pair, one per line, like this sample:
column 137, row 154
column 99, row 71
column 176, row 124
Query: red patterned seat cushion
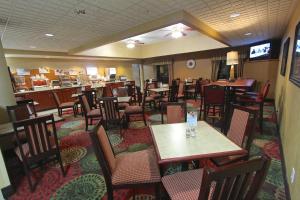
column 136, row 168
column 122, row 105
column 149, row 99
column 95, row 112
column 133, row 109
column 155, row 96
column 164, row 99
column 67, row 104
column 183, row 185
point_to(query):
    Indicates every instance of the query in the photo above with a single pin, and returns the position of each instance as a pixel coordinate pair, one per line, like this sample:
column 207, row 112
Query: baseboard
column 7, row 191
column 286, row 185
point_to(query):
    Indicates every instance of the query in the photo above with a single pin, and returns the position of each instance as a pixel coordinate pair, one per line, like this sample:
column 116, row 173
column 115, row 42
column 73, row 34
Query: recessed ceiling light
column 130, row 45
column 49, row 34
column 33, row 47
column 176, row 34
column 233, row 15
column 247, row 34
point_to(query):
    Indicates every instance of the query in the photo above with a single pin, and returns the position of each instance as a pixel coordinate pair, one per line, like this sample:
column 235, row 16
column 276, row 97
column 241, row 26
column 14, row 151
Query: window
column 91, row 71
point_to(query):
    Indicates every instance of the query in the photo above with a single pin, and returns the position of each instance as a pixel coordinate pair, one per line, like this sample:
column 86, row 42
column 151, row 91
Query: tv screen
column 260, row 51
column 298, row 46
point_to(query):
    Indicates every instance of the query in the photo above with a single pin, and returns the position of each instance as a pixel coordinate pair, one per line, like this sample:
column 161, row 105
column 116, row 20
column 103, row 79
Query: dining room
column 157, row 100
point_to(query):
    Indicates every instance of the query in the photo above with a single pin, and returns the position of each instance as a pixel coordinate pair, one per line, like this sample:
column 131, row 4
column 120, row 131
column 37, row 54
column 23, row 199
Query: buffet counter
column 45, row 98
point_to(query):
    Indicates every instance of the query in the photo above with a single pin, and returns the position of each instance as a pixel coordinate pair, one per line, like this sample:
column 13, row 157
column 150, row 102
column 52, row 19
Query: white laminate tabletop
column 172, row 145
column 124, row 99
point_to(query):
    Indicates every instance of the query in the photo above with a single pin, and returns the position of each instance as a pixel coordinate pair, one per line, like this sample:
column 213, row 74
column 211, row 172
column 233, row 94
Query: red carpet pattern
column 84, row 178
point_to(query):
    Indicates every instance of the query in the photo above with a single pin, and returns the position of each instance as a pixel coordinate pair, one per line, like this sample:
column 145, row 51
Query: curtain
column 215, row 63
column 242, row 58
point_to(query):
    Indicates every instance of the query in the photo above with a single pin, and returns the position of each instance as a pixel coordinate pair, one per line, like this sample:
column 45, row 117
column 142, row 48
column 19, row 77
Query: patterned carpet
column 84, row 179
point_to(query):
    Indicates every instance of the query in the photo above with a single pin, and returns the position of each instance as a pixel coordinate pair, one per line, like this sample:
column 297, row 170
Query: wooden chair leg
column 27, row 172
column 144, row 118
column 61, row 164
column 110, row 193
column 261, row 117
column 157, row 191
column 86, row 124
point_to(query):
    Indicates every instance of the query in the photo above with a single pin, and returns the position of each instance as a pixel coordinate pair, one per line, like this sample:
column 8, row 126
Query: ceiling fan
column 177, row 31
column 132, row 43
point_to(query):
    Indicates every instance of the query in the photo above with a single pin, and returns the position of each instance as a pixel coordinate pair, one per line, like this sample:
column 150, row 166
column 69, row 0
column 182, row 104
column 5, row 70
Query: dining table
column 238, row 83
column 125, row 99
column 173, row 146
column 159, row 90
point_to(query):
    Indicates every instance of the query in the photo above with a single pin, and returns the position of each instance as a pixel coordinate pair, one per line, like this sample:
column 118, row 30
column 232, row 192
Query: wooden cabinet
column 46, row 99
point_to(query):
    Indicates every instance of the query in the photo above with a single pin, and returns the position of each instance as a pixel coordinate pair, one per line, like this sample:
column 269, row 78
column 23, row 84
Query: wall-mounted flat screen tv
column 261, row 51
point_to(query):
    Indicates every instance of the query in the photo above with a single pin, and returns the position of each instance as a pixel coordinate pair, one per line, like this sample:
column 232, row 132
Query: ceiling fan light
column 130, row 45
column 176, row 34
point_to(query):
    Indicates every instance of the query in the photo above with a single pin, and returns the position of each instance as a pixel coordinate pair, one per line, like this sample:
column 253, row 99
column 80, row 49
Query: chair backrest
column 30, row 105
column 139, row 94
column 237, row 181
column 85, row 104
column 198, row 86
column 181, row 88
column 214, row 95
column 173, row 92
column 90, row 97
column 203, row 83
column 266, row 89
column 18, row 112
column 131, row 90
column 56, row 99
column 38, row 136
column 103, row 151
column 108, row 91
column 242, row 125
column 110, row 108
column 176, row 112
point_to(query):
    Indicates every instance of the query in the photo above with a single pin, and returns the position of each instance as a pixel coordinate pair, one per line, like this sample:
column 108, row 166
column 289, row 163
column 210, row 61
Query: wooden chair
column 132, row 170
column 194, row 92
column 258, row 102
column 89, row 113
column 18, row 112
column 107, row 91
column 41, row 147
column 60, row 106
column 131, row 91
column 239, row 181
column 150, row 100
column 110, row 112
column 122, row 92
column 203, row 83
column 176, row 112
column 240, row 132
column 91, row 98
column 30, row 105
column 181, row 92
column 136, row 109
column 214, row 104
column 172, row 94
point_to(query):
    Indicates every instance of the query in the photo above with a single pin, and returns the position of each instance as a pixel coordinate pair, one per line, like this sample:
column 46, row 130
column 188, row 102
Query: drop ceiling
column 29, row 20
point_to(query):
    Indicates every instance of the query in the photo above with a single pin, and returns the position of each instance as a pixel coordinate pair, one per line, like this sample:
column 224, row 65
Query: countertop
column 61, row 88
